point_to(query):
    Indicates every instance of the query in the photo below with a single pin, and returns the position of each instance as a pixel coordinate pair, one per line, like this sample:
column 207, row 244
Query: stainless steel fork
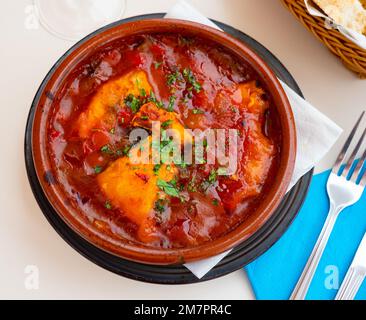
column 345, row 186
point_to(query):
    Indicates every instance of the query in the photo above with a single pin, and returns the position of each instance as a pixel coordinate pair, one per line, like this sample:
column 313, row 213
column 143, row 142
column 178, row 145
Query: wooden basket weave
column 353, row 57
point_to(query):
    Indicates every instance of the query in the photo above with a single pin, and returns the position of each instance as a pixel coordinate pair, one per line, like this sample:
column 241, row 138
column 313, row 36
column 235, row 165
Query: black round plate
column 238, row 258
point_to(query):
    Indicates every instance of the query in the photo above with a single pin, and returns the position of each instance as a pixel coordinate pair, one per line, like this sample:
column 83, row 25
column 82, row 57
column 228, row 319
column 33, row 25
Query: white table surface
column 26, row 238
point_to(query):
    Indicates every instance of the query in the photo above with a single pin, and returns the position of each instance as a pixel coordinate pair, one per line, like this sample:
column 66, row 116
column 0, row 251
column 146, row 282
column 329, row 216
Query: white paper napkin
column 357, row 38
column 316, row 134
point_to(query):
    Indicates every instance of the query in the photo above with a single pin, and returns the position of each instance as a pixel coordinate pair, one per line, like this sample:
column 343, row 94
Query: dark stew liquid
column 185, row 83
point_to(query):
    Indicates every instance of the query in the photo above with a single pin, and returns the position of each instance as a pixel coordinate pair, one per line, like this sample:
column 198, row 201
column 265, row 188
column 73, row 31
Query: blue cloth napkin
column 275, row 273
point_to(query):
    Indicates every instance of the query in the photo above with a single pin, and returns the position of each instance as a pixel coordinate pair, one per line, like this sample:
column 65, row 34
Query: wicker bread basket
column 352, row 56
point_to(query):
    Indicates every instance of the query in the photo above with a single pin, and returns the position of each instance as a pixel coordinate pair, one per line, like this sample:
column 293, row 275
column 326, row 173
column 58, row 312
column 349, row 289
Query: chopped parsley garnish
column 126, row 150
column 192, row 185
column 133, row 103
column 98, row 169
column 174, row 77
column 169, row 188
column 205, row 143
column 212, row 177
column 143, row 92
column 189, row 94
column 157, row 64
column 215, row 202
column 108, row 205
column 166, row 124
column 159, row 206
column 171, row 103
column 166, row 142
column 197, row 111
column 113, row 151
column 197, row 86
column 156, row 169
column 144, row 118
column 106, row 149
column 183, row 165
column 184, row 100
column 152, row 98
column 189, row 76
column 186, row 76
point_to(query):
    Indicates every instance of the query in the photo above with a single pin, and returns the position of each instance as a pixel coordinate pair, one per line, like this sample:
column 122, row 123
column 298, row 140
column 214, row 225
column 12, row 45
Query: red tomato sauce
column 205, row 86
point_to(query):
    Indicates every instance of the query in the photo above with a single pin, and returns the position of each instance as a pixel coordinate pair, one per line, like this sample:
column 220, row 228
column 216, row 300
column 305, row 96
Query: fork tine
column 355, row 175
column 342, row 154
column 352, row 158
column 363, row 181
column 361, row 176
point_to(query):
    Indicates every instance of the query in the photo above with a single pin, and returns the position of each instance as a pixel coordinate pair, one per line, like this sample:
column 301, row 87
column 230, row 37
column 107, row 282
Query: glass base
column 74, row 19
